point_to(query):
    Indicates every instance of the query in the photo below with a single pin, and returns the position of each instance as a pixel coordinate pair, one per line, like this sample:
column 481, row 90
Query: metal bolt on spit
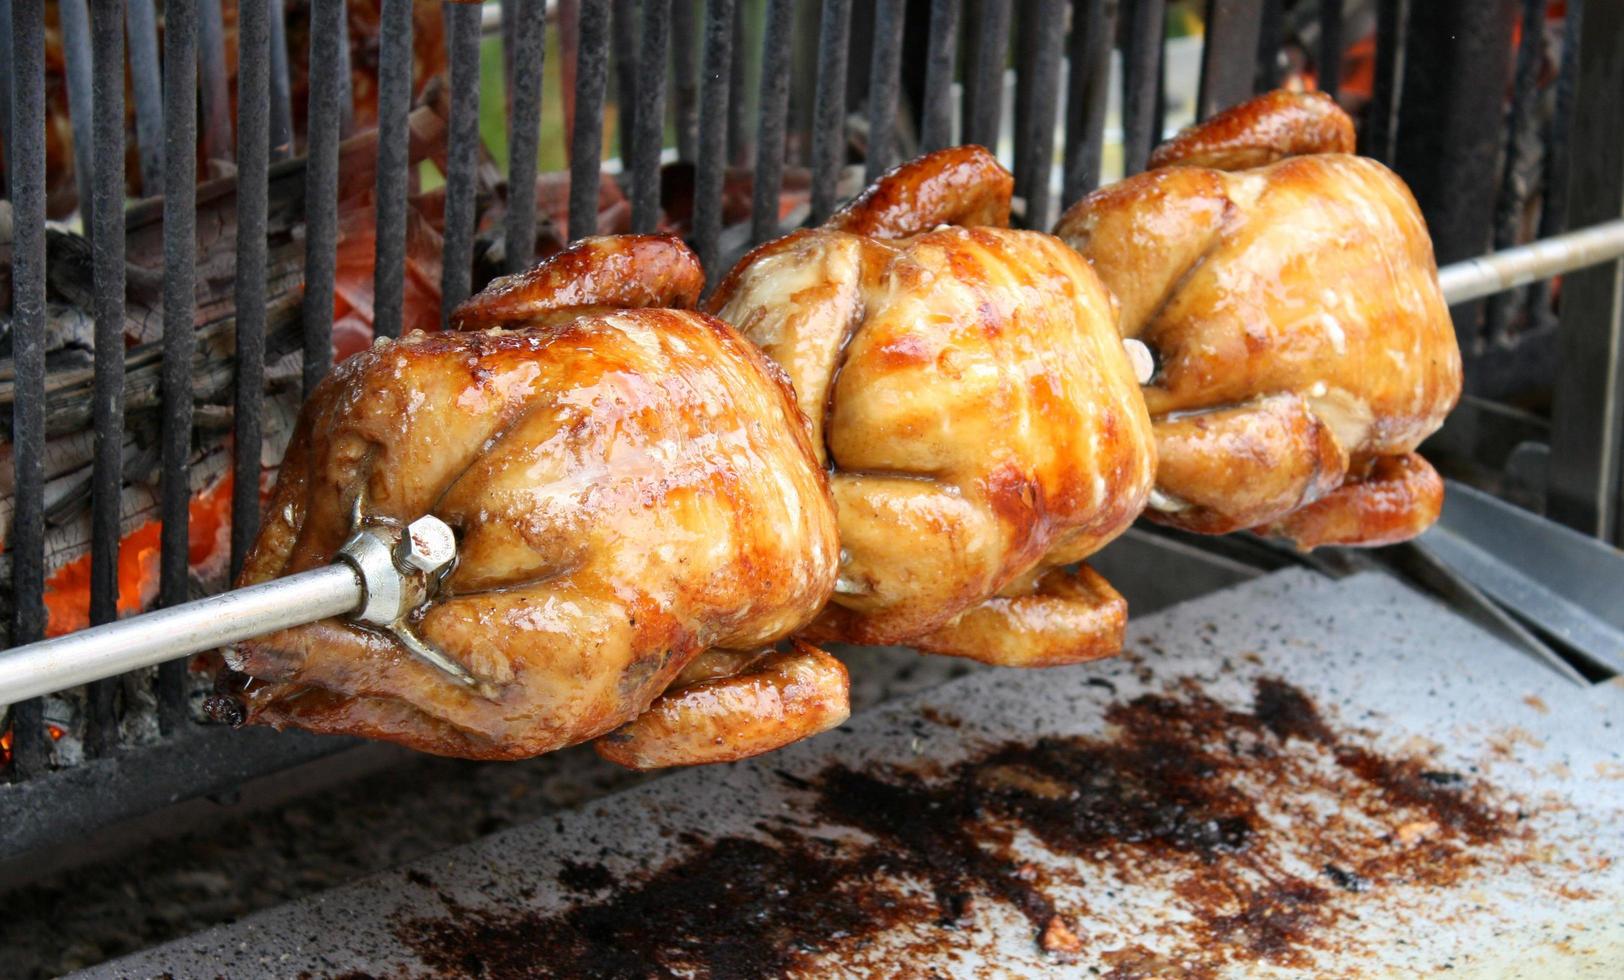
column 379, row 576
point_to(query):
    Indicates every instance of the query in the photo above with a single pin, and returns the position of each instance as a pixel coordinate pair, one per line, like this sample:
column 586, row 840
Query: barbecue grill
column 164, row 324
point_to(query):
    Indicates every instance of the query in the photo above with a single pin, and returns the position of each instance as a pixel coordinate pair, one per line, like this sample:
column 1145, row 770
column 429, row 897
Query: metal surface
column 1039, row 79
column 146, row 84
column 141, row 641
column 710, row 170
column 884, row 86
column 215, row 82
column 26, row 541
column 1232, row 31
column 180, row 307
column 462, row 158
column 321, row 190
column 984, row 84
column 73, row 19
column 1381, row 120
column 1141, row 93
column 771, row 121
column 1093, row 26
column 393, row 177
column 1450, row 124
column 107, row 398
column 1395, row 676
column 254, row 148
column 1498, row 271
column 586, row 130
column 1563, row 582
column 936, row 115
column 1585, row 488
column 380, row 575
column 649, row 134
column 829, row 107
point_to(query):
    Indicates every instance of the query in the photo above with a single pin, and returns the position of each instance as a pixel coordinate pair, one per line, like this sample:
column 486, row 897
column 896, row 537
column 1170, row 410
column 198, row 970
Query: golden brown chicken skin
column 972, row 399
column 1304, row 347
column 629, row 489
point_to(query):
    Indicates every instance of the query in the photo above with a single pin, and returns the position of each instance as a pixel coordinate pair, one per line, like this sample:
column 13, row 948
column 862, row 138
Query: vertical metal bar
column 829, row 107
column 27, row 543
column 107, row 399
column 738, row 125
column 281, row 86
column 524, row 129
column 147, row 84
column 650, row 133
column 1270, row 37
column 510, row 16
column 1587, row 416
column 1142, row 71
column 179, row 189
column 1381, row 120
column 1226, row 73
column 685, row 75
column 346, row 81
column 713, row 93
column 1027, row 31
column 936, row 127
column 211, row 60
column 457, row 264
column 1330, row 51
column 1043, row 76
column 255, row 107
column 623, row 24
column 1553, row 214
column 75, row 21
column 984, row 95
column 394, row 104
column 884, row 86
column 1093, row 25
column 1522, row 130
column 772, row 117
column 6, row 70
column 586, row 146
column 321, row 189
column 1450, row 121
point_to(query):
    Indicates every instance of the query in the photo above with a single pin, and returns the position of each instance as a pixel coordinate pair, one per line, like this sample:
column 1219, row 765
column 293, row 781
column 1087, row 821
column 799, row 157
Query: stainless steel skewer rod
column 384, row 572
column 1513, row 267
column 179, row 631
column 380, row 575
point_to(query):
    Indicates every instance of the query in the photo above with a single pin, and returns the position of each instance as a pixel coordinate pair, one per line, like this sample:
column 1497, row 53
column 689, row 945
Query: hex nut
column 427, row 545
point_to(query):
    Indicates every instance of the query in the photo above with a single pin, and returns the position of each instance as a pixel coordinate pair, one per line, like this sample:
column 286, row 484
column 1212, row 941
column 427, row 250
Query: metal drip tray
column 1292, row 776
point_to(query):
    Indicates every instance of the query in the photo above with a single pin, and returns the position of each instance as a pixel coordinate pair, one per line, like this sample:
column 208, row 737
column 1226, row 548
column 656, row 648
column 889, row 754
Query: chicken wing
column 629, row 489
column 1304, row 347
column 971, row 396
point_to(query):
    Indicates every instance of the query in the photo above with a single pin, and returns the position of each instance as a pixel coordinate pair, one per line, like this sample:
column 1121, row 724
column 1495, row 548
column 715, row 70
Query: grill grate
column 944, row 63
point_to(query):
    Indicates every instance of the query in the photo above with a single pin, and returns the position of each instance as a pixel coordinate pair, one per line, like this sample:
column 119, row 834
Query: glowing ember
column 5, row 747
column 67, row 592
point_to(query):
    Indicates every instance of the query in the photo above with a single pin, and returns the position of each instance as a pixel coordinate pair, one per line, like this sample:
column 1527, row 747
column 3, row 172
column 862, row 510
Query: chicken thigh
column 1304, row 349
column 634, row 497
column 969, row 392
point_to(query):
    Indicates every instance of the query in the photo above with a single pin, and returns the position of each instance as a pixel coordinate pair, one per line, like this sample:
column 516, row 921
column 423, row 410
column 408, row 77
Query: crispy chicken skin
column 1305, row 350
column 971, row 397
column 628, row 488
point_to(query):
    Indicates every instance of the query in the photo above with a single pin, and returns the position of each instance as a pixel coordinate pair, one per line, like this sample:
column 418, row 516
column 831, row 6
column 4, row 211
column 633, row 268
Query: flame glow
column 67, row 592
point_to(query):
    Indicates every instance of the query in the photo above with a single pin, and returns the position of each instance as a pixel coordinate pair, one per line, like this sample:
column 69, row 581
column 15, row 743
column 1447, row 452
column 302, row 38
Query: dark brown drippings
column 1174, row 800
column 585, row 878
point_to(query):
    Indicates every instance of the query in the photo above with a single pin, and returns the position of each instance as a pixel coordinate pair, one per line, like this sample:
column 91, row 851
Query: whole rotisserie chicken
column 638, row 509
column 981, row 421
column 1304, row 348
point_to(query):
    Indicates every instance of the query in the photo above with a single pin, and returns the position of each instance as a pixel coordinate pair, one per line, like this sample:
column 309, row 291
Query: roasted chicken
column 635, row 499
column 1303, row 347
column 971, row 397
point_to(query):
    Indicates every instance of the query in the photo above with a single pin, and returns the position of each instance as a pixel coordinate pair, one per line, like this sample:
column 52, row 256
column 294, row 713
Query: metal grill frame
column 684, row 60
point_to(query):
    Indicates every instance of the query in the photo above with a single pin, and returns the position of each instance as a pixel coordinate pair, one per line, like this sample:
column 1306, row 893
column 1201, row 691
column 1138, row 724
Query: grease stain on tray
column 1261, row 830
